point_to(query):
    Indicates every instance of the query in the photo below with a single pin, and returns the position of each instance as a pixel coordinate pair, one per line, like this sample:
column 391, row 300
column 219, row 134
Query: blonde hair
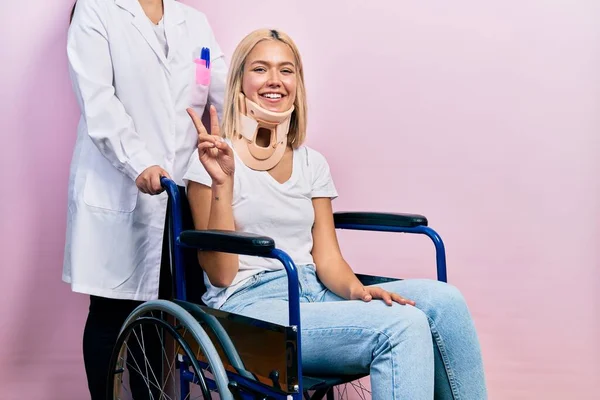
column 231, row 111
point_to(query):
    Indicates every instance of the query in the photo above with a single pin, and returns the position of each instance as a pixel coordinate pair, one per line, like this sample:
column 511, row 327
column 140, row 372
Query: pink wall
column 40, row 320
column 483, row 117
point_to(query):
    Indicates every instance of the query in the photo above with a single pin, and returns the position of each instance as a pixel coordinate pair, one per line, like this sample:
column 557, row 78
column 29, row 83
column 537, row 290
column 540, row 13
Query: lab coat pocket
column 200, row 84
column 202, row 73
column 107, row 188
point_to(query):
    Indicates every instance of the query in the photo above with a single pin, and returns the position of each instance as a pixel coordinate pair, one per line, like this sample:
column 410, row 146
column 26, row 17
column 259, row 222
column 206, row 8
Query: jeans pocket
column 253, row 281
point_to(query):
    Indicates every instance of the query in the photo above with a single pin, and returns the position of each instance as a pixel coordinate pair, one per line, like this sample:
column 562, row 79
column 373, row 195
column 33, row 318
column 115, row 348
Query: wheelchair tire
column 169, row 329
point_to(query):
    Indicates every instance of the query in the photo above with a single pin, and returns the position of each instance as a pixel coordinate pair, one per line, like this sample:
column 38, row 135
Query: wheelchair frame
column 262, row 246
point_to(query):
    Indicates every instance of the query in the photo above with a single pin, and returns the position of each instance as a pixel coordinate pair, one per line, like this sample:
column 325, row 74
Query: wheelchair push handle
column 169, row 185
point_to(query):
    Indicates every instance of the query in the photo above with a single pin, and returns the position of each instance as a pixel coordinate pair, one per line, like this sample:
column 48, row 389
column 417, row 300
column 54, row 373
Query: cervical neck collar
column 255, row 121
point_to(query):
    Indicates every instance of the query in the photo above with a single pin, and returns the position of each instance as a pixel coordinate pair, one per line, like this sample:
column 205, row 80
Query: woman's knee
column 434, row 298
column 444, row 300
column 408, row 322
column 448, row 294
column 436, row 293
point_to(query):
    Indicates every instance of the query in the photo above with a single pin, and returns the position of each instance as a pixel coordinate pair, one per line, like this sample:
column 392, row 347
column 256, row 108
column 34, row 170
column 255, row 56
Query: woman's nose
column 274, row 79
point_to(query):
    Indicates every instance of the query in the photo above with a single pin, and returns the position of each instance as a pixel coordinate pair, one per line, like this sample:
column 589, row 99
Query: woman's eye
column 287, row 71
column 259, row 69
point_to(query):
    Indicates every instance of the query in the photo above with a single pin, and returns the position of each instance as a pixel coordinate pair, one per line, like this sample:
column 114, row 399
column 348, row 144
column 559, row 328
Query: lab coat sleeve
column 109, row 126
column 218, row 74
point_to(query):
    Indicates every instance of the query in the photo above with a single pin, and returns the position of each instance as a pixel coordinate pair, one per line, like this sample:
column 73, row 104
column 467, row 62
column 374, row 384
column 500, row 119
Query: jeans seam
column 387, row 338
column 439, row 342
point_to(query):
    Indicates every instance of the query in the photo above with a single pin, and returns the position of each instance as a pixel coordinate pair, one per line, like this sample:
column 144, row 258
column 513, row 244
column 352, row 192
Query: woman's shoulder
column 93, row 5
column 312, row 156
column 192, row 13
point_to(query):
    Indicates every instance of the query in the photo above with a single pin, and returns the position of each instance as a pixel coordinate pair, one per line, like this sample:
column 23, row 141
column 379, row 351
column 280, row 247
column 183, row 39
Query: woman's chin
column 277, row 106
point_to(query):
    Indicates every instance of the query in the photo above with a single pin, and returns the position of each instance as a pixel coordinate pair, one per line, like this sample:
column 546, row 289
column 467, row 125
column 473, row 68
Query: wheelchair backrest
column 194, row 276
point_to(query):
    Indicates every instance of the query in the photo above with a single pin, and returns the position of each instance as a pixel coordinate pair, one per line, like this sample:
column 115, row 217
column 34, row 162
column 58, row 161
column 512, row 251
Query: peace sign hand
column 215, row 155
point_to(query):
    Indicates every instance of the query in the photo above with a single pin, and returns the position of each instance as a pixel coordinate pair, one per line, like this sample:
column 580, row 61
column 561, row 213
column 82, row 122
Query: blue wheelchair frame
column 265, row 247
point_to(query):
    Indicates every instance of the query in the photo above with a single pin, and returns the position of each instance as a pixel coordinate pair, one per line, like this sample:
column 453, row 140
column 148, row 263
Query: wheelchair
column 207, row 353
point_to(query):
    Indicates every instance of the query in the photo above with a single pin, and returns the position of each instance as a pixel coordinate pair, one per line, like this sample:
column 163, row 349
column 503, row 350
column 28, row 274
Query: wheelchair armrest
column 228, row 242
column 369, row 280
column 379, row 219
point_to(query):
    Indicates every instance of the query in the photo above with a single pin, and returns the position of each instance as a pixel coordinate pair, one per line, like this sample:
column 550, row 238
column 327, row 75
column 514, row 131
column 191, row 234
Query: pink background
column 484, row 117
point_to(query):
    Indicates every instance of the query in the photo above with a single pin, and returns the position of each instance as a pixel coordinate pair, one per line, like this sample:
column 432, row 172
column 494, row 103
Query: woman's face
column 270, row 77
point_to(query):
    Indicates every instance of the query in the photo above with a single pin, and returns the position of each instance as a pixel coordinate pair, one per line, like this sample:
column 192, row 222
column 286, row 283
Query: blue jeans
column 409, row 352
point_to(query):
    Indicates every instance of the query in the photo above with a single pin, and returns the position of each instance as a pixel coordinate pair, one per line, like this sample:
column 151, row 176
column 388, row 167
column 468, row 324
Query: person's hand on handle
column 149, row 180
column 215, row 155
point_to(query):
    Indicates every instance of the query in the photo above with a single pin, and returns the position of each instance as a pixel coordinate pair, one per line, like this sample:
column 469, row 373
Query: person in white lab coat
column 136, row 66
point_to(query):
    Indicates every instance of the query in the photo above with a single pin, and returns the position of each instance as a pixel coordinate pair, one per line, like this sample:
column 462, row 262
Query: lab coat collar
column 173, row 15
column 173, row 12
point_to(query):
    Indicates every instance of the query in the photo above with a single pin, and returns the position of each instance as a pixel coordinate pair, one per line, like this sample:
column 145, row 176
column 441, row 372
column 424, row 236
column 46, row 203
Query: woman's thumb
column 366, row 295
column 165, row 174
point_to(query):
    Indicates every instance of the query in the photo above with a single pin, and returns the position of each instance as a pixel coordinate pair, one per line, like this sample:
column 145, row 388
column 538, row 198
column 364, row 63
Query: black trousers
column 105, row 318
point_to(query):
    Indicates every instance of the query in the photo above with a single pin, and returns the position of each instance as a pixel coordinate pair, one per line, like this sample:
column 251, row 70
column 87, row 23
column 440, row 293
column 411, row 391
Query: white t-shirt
column 282, row 211
column 159, row 30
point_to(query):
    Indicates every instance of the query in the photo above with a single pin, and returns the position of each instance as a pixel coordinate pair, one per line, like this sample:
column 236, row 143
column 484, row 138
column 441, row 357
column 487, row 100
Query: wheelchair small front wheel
column 162, row 352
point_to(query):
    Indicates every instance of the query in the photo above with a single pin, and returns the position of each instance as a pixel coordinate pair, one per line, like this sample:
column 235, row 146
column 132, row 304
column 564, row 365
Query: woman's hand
column 367, row 293
column 215, row 155
column 149, row 180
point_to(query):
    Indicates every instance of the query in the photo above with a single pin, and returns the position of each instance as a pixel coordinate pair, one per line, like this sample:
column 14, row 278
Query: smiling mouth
column 272, row 96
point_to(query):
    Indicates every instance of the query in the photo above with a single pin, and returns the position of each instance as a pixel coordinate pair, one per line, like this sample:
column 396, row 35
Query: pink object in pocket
column 202, row 73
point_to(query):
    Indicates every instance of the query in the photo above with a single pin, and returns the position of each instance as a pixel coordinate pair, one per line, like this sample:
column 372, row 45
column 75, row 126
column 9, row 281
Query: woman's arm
column 332, row 269
column 212, row 206
column 211, row 209
column 90, row 64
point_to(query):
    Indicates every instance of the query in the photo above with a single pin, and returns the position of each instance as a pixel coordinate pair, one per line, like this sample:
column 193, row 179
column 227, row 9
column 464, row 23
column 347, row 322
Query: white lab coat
column 133, row 100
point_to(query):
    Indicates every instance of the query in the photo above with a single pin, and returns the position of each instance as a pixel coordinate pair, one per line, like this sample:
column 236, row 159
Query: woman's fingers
column 211, row 142
column 389, row 298
column 386, row 297
column 365, row 295
column 204, row 146
column 165, row 174
column 207, row 141
column 197, row 122
column 155, row 186
column 215, row 130
column 379, row 293
column 149, row 180
column 401, row 300
column 224, row 147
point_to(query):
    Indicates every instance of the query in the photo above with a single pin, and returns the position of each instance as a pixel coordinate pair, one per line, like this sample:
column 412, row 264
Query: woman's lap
column 342, row 335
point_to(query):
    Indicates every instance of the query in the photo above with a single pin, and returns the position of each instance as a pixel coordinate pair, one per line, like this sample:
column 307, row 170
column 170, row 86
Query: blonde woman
column 414, row 337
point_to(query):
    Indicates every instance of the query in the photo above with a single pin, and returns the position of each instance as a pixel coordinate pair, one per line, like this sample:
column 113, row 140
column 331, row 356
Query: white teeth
column 272, row 95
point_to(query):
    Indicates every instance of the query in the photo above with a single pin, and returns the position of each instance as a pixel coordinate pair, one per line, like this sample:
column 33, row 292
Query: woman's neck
column 153, row 9
column 151, row 3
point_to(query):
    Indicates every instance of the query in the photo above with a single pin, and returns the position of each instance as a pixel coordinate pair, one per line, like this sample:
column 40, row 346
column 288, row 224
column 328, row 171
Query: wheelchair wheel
column 353, row 390
column 162, row 352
